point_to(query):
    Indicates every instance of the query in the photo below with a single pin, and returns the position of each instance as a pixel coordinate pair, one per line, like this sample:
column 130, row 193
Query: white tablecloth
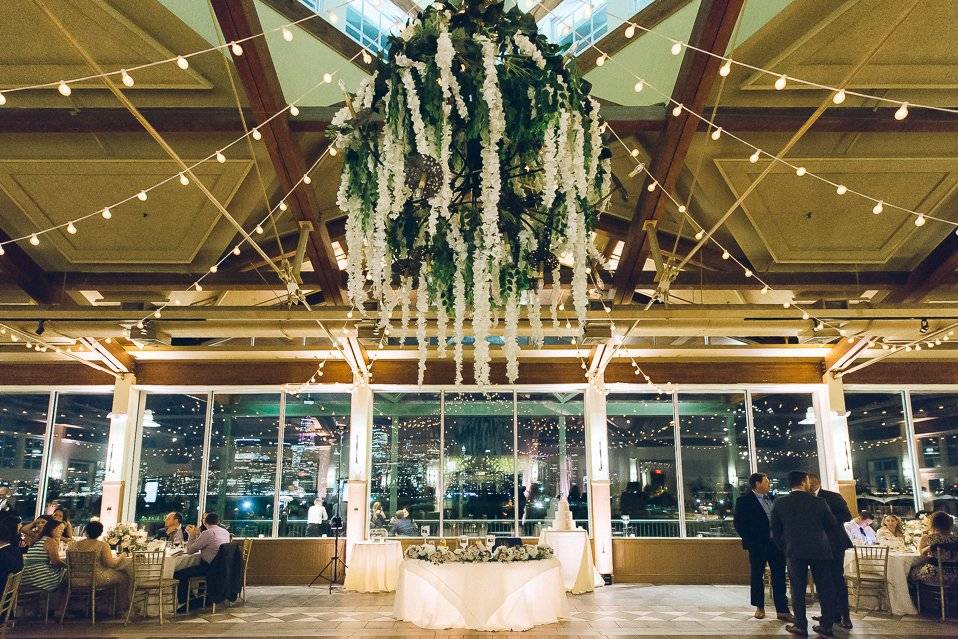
column 574, row 552
column 487, row 596
column 373, row 566
column 899, row 564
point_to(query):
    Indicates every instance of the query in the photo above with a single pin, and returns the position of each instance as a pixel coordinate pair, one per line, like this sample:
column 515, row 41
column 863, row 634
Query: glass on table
column 490, row 541
column 463, row 541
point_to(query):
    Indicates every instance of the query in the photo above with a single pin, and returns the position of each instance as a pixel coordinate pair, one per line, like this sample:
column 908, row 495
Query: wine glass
column 463, row 541
column 490, row 541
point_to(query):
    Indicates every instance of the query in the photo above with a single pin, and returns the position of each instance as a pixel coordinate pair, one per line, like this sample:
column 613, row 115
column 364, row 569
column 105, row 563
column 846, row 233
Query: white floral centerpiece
column 913, row 529
column 129, row 538
column 474, row 554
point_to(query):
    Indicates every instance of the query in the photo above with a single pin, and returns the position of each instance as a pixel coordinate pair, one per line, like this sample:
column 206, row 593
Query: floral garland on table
column 478, row 554
column 913, row 529
column 473, row 160
column 130, row 538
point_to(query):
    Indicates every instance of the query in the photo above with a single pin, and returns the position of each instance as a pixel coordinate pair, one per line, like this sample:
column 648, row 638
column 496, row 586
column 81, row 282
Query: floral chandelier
column 473, row 161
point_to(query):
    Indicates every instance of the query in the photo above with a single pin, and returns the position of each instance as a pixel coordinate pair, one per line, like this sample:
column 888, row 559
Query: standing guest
column 316, row 516
column 840, row 543
column 940, row 532
column 860, row 529
column 207, row 543
column 753, row 512
column 11, row 559
column 401, row 525
column 891, row 533
column 63, row 515
column 109, row 568
column 800, row 527
column 43, row 568
column 173, row 531
column 377, row 519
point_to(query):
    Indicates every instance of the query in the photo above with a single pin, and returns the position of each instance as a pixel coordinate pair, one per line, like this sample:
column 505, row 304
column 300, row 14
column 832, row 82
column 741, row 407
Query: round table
column 899, row 565
column 481, row 596
column 574, row 552
column 373, row 566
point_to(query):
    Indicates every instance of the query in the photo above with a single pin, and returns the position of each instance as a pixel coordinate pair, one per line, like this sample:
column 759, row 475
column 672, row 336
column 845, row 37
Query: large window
column 171, row 458
column 785, row 435
column 935, row 417
column 552, row 459
column 879, row 449
column 77, row 462
column 479, row 467
column 23, row 422
column 315, row 462
column 642, row 469
column 715, row 460
column 242, row 465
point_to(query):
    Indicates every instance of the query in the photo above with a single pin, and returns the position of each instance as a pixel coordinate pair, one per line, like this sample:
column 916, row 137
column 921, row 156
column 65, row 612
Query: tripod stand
column 336, row 523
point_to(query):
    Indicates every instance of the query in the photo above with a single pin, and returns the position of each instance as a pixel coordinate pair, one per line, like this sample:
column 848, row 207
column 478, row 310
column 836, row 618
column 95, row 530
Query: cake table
column 573, row 550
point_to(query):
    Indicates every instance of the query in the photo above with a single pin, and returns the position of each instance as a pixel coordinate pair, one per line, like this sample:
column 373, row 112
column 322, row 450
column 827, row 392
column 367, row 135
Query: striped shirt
column 38, row 572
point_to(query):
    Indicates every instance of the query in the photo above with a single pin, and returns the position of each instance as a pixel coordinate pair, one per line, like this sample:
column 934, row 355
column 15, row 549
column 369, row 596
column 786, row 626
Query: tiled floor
column 618, row 611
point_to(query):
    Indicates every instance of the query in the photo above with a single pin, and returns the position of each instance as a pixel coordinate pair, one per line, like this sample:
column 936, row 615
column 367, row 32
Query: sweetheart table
column 480, row 596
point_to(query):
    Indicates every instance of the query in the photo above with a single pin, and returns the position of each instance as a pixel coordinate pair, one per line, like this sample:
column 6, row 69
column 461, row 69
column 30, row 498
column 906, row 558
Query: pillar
column 393, row 466
column 838, row 456
column 360, row 432
column 598, row 465
column 119, row 452
column 563, row 487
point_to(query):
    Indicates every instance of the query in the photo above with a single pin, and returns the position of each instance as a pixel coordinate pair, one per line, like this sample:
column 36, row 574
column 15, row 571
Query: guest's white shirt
column 316, row 514
column 860, row 534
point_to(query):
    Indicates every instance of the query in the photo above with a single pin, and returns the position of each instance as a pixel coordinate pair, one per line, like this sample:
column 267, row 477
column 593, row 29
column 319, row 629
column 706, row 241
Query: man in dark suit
column 11, row 559
column 840, row 542
column 752, row 523
column 800, row 527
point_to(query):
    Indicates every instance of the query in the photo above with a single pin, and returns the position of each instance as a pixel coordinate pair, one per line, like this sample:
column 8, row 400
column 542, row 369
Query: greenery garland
column 473, row 161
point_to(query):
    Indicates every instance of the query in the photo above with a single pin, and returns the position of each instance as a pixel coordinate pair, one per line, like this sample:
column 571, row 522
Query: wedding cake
column 563, row 517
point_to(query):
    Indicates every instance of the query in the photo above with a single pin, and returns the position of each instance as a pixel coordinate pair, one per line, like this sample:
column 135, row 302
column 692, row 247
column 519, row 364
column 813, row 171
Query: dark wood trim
column 935, row 270
column 53, row 374
column 712, row 30
column 238, row 372
column 752, row 371
column 265, row 280
column 20, row 269
column 238, row 19
column 905, row 372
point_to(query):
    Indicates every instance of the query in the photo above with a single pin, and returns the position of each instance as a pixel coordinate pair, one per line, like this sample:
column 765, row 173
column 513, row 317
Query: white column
column 119, row 452
column 360, row 432
column 598, row 465
column 837, row 462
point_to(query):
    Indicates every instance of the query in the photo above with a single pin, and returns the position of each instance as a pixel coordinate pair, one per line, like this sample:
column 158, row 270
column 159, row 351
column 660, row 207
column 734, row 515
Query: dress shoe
column 760, row 613
column 786, row 617
column 796, row 630
column 846, row 623
column 825, row 632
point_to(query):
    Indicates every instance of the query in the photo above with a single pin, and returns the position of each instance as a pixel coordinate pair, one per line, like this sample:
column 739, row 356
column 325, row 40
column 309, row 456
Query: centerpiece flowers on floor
column 473, row 163
column 477, row 554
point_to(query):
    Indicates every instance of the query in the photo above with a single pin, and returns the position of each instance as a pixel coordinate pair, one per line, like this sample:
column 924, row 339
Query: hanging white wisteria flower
column 474, row 155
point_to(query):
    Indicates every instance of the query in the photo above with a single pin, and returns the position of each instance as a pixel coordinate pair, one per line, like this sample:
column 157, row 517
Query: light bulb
column 106, row 214
column 333, row 18
column 333, row 151
column 682, row 208
column 236, row 250
column 126, row 78
column 841, row 189
column 754, row 157
column 800, row 171
column 141, row 196
column 780, row 83
column 600, row 60
column 786, row 304
column 282, row 205
column 677, row 111
column 287, row 34
column 71, row 228
column 804, row 315
column 293, row 110
column 748, row 273
column 214, row 268
column 635, row 153
column 236, row 49
column 157, row 314
column 3, row 99
column 725, row 69
column 676, row 48
column 920, row 220
column 34, row 239
column 198, row 287
column 307, row 179
column 700, row 235
column 900, row 114
column 878, row 208
column 256, row 134
column 327, row 78
column 64, row 88
column 765, row 290
column 717, row 133
column 818, row 326
column 650, row 187
column 220, row 157
column 182, row 62
column 259, row 229
column 726, row 255
column 184, row 180
column 839, row 96
column 639, row 86
column 139, row 324
column 630, row 31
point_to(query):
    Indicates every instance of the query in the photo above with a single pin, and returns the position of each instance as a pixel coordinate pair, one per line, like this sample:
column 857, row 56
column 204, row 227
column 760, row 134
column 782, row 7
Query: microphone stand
column 336, row 523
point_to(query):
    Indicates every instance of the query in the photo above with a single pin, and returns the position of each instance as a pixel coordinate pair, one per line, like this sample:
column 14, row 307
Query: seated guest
column 377, row 518
column 63, row 515
column 941, row 532
column 31, row 531
column 860, row 529
column 43, row 568
column 173, row 531
column 109, row 568
column 316, row 517
column 891, row 532
column 207, row 543
column 401, row 525
column 11, row 559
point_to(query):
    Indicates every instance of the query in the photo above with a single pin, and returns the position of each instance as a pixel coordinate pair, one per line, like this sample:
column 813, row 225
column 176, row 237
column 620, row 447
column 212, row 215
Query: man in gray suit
column 800, row 527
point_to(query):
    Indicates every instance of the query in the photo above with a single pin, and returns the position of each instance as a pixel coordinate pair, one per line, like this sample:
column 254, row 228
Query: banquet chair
column 29, row 594
column 148, row 580
column 945, row 558
column 81, row 581
column 871, row 573
column 8, row 601
column 247, row 551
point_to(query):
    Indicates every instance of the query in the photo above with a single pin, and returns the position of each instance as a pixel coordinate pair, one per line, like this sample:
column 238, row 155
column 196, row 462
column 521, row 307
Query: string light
column 327, row 78
column 878, row 208
column 677, row 110
column 717, row 133
column 71, row 228
column 236, row 49
column 600, row 60
column 754, row 157
column 676, row 48
column 630, row 31
column 126, row 78
column 839, row 96
column 106, row 213
column 184, row 180
column 293, row 110
column 920, row 220
column 256, row 135
column 780, row 82
column 236, row 250
column 726, row 68
column 841, row 189
column 3, row 99
column 800, row 171
column 639, row 86
column 182, row 62
column 902, row 111
column 141, row 196
column 34, row 240
column 220, row 157
column 287, row 34
column 214, row 268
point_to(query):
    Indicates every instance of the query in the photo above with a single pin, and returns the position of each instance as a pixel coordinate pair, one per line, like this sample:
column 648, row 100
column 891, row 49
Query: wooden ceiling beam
column 842, row 355
column 238, row 19
column 937, row 269
column 712, row 31
column 25, row 274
